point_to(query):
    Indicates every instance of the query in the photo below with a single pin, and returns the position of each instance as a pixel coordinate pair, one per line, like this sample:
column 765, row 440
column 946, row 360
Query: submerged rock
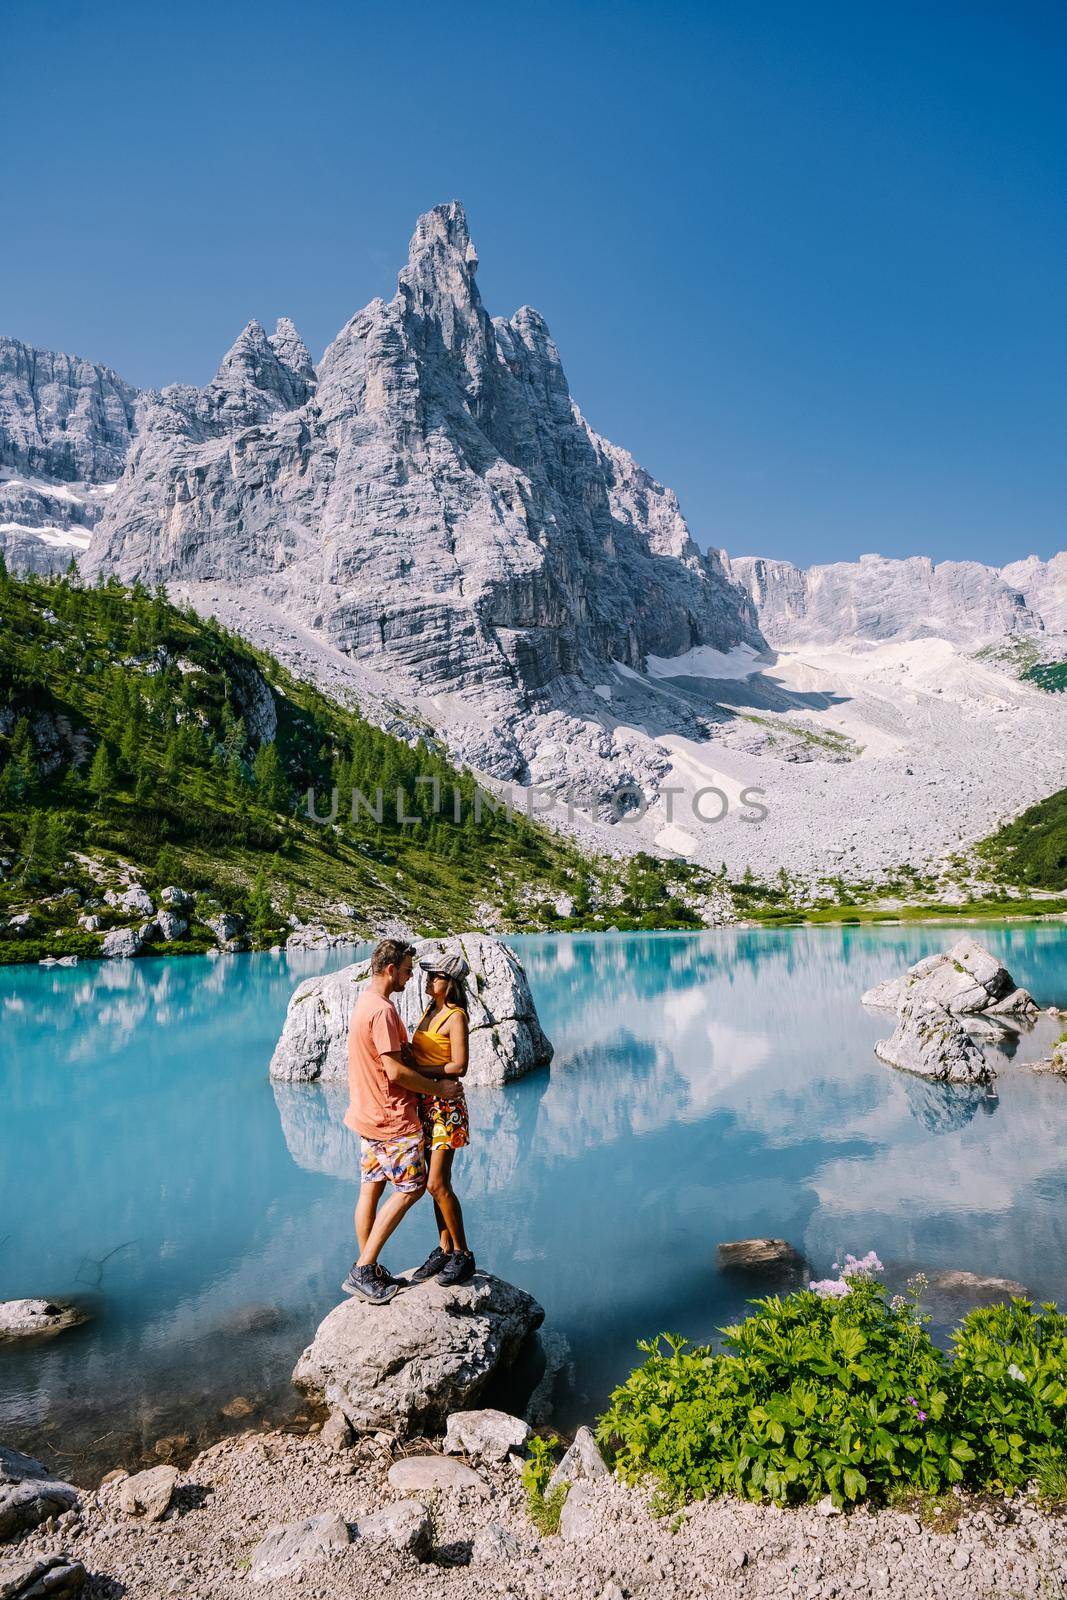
column 406, row 1365
column 772, row 1257
column 506, row 1038
column 929, row 1041
column 972, row 1288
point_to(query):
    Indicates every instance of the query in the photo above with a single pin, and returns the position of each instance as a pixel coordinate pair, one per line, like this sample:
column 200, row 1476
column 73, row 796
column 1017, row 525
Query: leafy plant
column 544, row 1506
column 1009, row 1373
column 841, row 1392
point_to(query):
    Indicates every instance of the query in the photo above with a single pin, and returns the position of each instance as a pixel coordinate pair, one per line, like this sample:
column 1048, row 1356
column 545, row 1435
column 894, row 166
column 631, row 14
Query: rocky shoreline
column 481, row 1540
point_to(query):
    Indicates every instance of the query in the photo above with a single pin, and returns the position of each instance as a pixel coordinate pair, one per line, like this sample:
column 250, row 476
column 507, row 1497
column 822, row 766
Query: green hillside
column 137, row 735
column 1032, row 849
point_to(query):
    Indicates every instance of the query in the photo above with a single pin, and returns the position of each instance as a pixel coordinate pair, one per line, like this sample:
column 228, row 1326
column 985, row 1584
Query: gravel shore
column 611, row 1547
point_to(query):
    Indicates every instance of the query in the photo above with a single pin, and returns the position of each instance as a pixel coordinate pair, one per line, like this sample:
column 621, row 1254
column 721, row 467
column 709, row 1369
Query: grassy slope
column 154, row 766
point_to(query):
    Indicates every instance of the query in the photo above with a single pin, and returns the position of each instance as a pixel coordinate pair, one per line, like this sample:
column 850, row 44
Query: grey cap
column 448, row 967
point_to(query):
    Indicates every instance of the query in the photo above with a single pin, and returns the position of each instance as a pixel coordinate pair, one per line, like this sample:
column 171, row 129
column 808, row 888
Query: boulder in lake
column 29, row 1494
column 969, row 1289
column 407, row 1365
column 772, row 1258
column 34, row 1319
column 929, row 1041
column 966, row 980
column 1056, row 1063
column 506, row 1039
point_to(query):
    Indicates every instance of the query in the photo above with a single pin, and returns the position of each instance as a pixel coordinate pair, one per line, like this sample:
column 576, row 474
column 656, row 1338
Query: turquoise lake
column 705, row 1088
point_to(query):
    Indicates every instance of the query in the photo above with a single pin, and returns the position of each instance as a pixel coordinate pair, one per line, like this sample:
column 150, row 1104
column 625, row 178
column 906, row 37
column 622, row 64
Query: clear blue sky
column 807, row 261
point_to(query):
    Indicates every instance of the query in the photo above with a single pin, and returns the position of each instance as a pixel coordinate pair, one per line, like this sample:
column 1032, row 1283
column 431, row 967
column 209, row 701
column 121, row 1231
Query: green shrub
column 544, row 1508
column 847, row 1395
column 1009, row 1373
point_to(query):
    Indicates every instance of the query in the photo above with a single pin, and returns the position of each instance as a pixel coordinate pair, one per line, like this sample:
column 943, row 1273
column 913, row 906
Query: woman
column 439, row 1049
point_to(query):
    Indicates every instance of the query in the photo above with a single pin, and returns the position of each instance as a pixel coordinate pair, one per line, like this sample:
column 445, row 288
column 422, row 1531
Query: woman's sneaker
column 458, row 1268
column 371, row 1283
column 433, row 1264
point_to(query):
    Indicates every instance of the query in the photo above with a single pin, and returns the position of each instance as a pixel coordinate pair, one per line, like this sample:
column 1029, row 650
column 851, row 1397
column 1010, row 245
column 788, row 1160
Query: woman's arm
column 457, row 1031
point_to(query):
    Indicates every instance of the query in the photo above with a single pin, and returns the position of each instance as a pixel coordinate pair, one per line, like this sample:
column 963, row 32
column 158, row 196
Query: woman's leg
column 447, row 1208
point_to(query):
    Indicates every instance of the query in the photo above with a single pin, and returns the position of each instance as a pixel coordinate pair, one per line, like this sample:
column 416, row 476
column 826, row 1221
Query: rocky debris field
column 291, row 1517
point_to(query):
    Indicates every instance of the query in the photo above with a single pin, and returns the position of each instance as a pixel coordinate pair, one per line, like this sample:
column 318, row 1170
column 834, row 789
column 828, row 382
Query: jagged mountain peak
column 291, row 350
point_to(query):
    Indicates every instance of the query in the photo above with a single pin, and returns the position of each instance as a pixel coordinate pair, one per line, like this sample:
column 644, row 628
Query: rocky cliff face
column 431, row 501
column 65, row 430
column 880, row 599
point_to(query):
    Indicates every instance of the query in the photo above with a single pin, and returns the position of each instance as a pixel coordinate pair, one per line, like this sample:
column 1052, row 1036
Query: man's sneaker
column 370, row 1283
column 432, row 1265
column 458, row 1268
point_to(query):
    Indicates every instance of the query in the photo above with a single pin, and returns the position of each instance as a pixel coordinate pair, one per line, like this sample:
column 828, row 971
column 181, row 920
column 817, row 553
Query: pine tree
column 260, row 909
column 270, row 780
column 103, row 777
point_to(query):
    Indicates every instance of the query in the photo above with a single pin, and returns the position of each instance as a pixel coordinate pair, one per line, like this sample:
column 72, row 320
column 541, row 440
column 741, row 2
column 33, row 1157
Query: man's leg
column 389, row 1219
column 367, row 1209
column 446, row 1206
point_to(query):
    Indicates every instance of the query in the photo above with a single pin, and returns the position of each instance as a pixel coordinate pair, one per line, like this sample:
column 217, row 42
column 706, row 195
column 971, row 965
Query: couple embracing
column 406, row 1103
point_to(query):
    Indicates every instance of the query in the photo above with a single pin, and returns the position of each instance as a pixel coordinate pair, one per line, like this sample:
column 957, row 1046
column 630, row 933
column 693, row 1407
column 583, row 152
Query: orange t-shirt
column 377, row 1109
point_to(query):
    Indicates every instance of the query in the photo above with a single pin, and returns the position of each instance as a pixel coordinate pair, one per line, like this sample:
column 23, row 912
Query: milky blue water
column 705, row 1088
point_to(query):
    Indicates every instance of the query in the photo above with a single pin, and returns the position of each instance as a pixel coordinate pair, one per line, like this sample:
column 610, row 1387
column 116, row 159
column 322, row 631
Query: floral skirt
column 445, row 1123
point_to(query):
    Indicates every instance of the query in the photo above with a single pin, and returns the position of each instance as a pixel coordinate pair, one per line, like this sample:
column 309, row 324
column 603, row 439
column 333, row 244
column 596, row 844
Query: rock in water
column 967, row 980
column 486, row 1435
column 773, row 1257
column 506, row 1039
column 929, row 1041
column 406, row 1365
column 286, row 1549
column 28, row 1319
column 29, row 1494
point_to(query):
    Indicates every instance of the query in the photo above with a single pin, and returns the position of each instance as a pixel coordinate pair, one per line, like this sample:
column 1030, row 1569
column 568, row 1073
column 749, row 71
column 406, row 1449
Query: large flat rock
column 506, row 1038
column 407, row 1365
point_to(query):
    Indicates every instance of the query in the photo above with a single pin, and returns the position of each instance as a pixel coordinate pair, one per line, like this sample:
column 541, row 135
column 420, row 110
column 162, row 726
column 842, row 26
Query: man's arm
column 405, row 1077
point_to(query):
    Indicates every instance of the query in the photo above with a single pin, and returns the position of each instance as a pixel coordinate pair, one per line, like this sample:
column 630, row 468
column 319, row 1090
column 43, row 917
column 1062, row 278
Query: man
column 384, row 1110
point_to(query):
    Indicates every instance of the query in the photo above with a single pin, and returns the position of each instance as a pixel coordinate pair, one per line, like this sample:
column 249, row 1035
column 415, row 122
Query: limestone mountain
column 431, row 502
column 877, row 598
column 65, row 431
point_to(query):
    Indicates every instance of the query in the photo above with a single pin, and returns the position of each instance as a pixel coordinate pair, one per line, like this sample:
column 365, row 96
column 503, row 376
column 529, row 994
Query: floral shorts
column 445, row 1123
column 401, row 1162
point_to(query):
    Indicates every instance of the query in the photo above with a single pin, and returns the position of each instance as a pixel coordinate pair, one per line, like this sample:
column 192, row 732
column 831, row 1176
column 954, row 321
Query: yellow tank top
column 432, row 1048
